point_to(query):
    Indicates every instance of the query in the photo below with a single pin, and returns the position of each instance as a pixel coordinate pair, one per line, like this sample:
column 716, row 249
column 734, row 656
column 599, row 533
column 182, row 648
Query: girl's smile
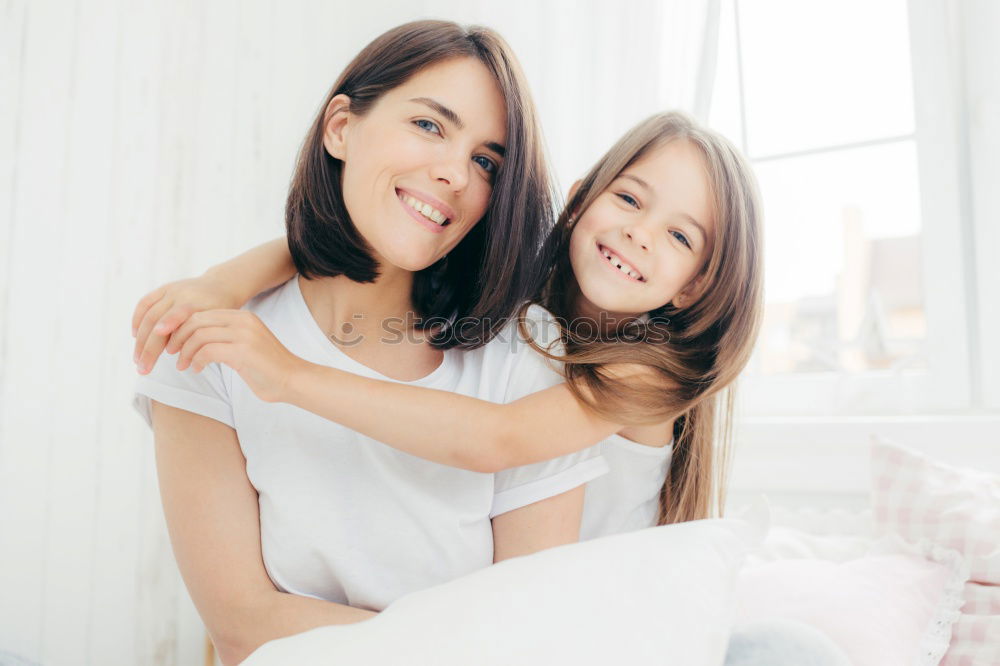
column 620, row 265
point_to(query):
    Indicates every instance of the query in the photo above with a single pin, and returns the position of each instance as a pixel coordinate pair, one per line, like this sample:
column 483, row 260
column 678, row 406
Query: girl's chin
column 601, row 301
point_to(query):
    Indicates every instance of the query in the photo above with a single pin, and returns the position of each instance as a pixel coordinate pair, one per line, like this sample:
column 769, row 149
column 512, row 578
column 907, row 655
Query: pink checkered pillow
column 920, row 498
column 975, row 637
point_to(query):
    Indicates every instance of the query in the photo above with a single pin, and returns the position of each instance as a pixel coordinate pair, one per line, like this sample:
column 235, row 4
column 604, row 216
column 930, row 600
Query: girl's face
column 643, row 241
column 419, row 165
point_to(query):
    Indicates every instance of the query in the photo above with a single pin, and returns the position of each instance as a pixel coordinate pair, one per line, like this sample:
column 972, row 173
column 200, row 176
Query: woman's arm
column 228, row 285
column 214, row 523
column 446, row 427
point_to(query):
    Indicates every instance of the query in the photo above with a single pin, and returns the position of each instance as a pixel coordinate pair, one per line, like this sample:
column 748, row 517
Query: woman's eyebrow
column 448, row 114
column 455, row 120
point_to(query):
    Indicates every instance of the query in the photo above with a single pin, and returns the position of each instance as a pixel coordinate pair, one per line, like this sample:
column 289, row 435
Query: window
column 848, row 114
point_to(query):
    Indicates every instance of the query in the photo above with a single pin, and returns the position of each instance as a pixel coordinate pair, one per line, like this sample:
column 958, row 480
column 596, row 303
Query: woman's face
column 419, row 165
column 643, row 240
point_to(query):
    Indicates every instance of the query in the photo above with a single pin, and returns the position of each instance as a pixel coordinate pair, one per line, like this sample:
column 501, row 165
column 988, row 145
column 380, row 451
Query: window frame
column 949, row 297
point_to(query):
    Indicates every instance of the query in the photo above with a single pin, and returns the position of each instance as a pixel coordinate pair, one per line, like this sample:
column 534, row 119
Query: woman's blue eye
column 427, row 125
column 488, row 165
column 628, row 199
column 681, row 237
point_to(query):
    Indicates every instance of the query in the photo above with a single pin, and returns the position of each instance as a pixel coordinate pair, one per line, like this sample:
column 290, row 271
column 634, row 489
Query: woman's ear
column 338, row 112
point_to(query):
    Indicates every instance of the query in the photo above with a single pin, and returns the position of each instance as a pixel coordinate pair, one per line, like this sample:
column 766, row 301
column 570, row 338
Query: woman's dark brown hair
column 492, row 270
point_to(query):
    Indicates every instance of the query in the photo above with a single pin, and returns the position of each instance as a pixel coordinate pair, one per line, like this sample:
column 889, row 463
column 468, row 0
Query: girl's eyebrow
column 455, row 120
column 638, row 180
column 701, row 229
column 645, row 185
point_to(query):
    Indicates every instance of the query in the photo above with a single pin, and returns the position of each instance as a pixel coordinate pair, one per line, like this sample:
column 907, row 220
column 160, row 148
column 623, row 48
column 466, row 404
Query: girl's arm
column 446, row 427
column 258, row 269
column 228, row 285
column 214, row 524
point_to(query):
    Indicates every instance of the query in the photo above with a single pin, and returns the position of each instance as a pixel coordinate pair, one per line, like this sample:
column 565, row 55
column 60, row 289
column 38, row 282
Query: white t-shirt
column 346, row 518
column 627, row 497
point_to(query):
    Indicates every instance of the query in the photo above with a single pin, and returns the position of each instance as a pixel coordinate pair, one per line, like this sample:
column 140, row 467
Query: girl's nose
column 638, row 235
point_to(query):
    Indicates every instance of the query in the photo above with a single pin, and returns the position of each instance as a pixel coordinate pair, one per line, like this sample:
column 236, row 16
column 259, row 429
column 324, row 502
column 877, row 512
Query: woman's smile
column 432, row 214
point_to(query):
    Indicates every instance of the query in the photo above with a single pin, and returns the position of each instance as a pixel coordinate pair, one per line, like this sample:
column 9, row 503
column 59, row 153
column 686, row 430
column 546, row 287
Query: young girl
column 655, row 276
column 420, row 186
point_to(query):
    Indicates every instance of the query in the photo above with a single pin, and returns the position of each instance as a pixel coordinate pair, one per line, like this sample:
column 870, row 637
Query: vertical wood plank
column 12, row 30
column 80, row 335
column 27, row 409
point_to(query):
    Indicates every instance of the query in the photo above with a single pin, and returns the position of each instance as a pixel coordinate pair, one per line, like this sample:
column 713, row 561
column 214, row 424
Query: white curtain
column 143, row 141
column 598, row 68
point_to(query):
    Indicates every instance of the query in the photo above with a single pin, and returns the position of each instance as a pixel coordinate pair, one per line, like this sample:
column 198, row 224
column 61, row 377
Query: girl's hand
column 242, row 341
column 162, row 310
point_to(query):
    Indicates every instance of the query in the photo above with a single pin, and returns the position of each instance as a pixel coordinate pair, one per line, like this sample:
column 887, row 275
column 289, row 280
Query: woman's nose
column 452, row 170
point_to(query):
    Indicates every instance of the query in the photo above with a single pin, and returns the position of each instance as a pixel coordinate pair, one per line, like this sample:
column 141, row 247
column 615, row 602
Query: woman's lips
column 433, row 202
column 419, row 217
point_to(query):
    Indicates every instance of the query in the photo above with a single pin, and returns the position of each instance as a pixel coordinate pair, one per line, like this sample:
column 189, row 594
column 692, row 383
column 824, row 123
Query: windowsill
column 831, row 455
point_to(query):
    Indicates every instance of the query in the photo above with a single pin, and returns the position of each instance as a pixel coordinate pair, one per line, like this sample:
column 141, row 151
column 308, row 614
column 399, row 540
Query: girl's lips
column 427, row 224
column 626, row 276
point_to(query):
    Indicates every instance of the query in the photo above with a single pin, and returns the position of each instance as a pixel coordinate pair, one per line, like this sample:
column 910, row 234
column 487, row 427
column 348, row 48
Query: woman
column 316, row 525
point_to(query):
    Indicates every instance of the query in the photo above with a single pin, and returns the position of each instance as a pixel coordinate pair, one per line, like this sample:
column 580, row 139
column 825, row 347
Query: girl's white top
column 346, row 518
column 627, row 497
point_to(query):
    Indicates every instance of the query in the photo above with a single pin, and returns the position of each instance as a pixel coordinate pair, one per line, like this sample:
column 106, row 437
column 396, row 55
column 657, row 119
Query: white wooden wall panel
column 39, row 202
column 124, row 463
column 78, row 267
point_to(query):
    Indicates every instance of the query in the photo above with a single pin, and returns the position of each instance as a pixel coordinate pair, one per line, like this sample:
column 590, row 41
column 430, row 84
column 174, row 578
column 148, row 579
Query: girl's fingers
column 153, row 315
column 144, row 304
column 213, row 352
column 198, row 339
column 168, row 325
column 157, row 340
column 196, row 321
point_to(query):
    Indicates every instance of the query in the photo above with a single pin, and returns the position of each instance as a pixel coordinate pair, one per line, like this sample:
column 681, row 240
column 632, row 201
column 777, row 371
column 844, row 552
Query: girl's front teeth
column 620, row 265
column 433, row 214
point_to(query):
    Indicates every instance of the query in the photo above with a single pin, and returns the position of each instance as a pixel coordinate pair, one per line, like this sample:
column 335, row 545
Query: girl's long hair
column 695, row 353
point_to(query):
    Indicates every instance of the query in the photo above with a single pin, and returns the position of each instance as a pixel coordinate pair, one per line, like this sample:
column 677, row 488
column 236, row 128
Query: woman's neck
column 342, row 306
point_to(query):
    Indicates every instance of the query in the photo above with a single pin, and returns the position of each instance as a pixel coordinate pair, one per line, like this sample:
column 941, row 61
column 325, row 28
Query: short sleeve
column 203, row 393
column 527, row 484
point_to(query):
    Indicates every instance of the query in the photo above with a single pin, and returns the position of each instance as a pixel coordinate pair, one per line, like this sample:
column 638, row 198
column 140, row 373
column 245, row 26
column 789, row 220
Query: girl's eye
column 427, row 126
column 628, row 199
column 489, row 166
column 682, row 238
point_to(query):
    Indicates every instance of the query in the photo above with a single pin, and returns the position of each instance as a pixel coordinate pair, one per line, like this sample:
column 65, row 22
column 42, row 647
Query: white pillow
column 885, row 602
column 655, row 596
